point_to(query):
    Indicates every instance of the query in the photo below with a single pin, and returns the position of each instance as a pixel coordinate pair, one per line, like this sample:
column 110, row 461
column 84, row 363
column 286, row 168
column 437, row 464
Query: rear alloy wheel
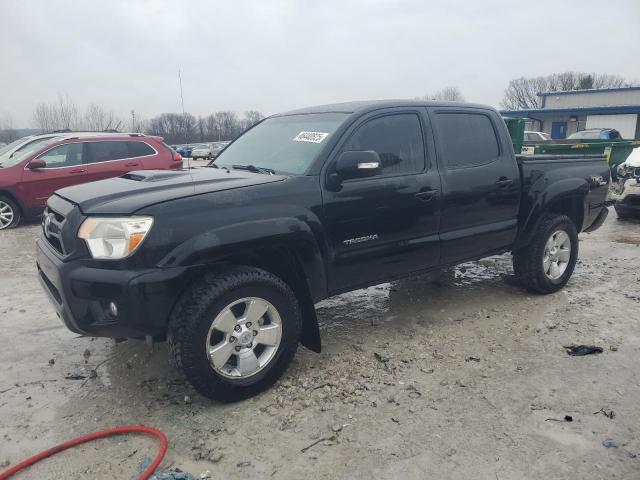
column 234, row 333
column 557, row 254
column 9, row 214
column 546, row 264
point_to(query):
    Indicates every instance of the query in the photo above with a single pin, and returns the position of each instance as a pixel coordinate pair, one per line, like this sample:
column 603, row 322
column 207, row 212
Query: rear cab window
column 466, row 139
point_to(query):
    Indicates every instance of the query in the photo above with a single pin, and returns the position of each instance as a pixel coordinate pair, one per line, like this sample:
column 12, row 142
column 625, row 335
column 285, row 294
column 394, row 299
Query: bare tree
column 7, row 132
column 251, row 117
column 67, row 113
column 45, row 117
column 98, row 118
column 447, row 94
column 521, row 93
column 173, row 127
column 211, row 128
column 228, row 124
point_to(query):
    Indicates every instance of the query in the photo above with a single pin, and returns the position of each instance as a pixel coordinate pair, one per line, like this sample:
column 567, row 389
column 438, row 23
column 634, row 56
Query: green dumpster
column 616, row 151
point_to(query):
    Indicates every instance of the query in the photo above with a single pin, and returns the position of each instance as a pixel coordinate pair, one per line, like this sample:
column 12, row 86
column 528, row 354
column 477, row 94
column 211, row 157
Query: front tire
column 546, row 264
column 234, row 333
column 10, row 215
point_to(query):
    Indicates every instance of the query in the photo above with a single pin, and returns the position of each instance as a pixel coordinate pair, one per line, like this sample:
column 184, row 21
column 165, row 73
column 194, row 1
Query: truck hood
column 135, row 190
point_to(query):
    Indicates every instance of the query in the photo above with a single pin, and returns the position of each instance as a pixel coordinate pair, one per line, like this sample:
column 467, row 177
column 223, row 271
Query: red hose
column 95, row 436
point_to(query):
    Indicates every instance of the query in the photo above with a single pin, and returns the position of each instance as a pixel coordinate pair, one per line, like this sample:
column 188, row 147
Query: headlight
column 114, row 238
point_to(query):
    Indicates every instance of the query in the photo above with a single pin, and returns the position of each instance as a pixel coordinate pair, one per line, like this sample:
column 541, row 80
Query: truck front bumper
column 84, row 296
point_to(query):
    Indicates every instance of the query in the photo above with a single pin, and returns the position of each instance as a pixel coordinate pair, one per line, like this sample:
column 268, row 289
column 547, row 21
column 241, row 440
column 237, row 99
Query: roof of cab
column 368, row 105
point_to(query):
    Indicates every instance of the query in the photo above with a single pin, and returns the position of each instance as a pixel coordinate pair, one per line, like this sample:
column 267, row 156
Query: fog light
column 113, row 309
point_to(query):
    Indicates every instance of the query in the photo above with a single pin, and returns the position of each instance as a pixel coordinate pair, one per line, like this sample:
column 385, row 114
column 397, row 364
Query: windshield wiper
column 254, row 169
column 213, row 165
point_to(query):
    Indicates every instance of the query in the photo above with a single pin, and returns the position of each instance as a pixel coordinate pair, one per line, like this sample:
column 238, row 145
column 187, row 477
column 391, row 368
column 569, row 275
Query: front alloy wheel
column 234, row 332
column 244, row 337
column 9, row 214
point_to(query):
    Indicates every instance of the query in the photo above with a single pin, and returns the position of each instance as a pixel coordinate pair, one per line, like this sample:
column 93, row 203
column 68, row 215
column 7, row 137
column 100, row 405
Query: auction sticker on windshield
column 313, row 137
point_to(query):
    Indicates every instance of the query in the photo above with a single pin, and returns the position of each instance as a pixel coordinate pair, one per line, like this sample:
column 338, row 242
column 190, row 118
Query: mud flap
column 310, row 335
column 597, row 223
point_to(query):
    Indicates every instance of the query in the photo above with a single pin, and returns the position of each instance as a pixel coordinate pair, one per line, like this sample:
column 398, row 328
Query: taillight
column 177, row 157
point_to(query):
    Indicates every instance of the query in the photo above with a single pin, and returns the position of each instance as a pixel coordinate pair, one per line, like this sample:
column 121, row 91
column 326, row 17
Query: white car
column 536, row 136
column 23, row 145
column 203, row 150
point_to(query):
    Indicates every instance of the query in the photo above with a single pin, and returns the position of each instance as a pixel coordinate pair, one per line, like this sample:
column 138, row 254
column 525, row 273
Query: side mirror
column 358, row 164
column 37, row 164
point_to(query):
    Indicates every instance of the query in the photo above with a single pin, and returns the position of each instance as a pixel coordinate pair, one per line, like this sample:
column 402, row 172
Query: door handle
column 131, row 164
column 505, row 182
column 427, row 195
column 78, row 170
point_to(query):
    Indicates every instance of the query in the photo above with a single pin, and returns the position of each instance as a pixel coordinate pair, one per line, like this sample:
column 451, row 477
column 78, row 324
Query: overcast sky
column 274, row 55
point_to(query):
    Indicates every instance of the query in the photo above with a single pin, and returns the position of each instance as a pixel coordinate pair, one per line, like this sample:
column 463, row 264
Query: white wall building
column 563, row 113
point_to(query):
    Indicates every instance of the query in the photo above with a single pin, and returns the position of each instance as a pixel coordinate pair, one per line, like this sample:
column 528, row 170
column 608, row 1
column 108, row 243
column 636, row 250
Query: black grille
column 52, row 223
column 636, row 172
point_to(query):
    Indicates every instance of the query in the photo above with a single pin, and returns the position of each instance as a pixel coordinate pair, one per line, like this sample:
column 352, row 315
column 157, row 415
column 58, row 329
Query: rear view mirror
column 37, row 164
column 358, row 164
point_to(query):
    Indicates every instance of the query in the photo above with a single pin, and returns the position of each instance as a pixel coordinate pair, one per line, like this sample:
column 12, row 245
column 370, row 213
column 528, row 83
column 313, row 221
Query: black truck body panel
column 324, row 240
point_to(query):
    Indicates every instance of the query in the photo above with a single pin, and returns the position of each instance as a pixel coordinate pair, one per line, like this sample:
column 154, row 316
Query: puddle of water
column 388, row 301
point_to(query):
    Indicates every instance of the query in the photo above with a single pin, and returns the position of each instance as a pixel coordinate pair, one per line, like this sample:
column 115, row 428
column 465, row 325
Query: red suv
column 28, row 179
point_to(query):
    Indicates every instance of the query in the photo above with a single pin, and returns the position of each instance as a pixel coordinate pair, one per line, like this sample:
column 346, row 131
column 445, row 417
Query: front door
column 558, row 130
column 64, row 168
column 384, row 225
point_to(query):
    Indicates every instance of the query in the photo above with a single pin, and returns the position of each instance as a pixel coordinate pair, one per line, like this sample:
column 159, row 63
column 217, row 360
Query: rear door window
column 68, row 155
column 139, row 149
column 466, row 139
column 107, row 151
column 397, row 139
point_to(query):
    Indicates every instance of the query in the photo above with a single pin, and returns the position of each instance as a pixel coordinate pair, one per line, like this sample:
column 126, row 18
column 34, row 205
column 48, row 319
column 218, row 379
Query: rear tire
column 196, row 337
column 10, row 215
column 546, row 264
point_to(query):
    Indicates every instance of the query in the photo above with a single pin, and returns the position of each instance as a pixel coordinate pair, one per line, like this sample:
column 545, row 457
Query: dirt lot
column 463, row 377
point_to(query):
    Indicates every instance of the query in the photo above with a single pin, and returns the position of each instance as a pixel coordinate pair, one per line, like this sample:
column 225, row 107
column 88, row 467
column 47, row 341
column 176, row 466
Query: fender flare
column 242, row 242
column 544, row 198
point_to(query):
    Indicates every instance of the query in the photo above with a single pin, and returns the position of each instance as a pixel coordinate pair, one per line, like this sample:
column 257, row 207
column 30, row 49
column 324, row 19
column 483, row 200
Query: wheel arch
column 14, row 198
column 573, row 206
column 283, row 262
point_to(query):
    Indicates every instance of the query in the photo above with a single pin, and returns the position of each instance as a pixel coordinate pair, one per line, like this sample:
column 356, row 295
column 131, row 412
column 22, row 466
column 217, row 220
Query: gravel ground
column 459, row 375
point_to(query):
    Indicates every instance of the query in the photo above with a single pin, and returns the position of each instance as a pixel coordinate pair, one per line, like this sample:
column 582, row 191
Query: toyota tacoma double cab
column 226, row 262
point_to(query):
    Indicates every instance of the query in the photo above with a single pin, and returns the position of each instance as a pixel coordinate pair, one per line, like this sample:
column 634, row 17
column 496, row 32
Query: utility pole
column 133, row 121
column 184, row 117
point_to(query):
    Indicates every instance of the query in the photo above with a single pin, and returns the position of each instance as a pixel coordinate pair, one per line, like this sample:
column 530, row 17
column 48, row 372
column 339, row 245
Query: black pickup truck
column 226, row 262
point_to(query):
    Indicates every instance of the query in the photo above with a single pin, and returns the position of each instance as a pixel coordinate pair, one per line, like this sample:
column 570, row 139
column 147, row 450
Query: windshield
column 26, row 151
column 11, row 146
column 286, row 144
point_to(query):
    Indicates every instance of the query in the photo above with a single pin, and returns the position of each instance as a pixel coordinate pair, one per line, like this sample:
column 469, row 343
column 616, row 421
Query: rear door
column 112, row 158
column 386, row 225
column 480, row 183
column 64, row 168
